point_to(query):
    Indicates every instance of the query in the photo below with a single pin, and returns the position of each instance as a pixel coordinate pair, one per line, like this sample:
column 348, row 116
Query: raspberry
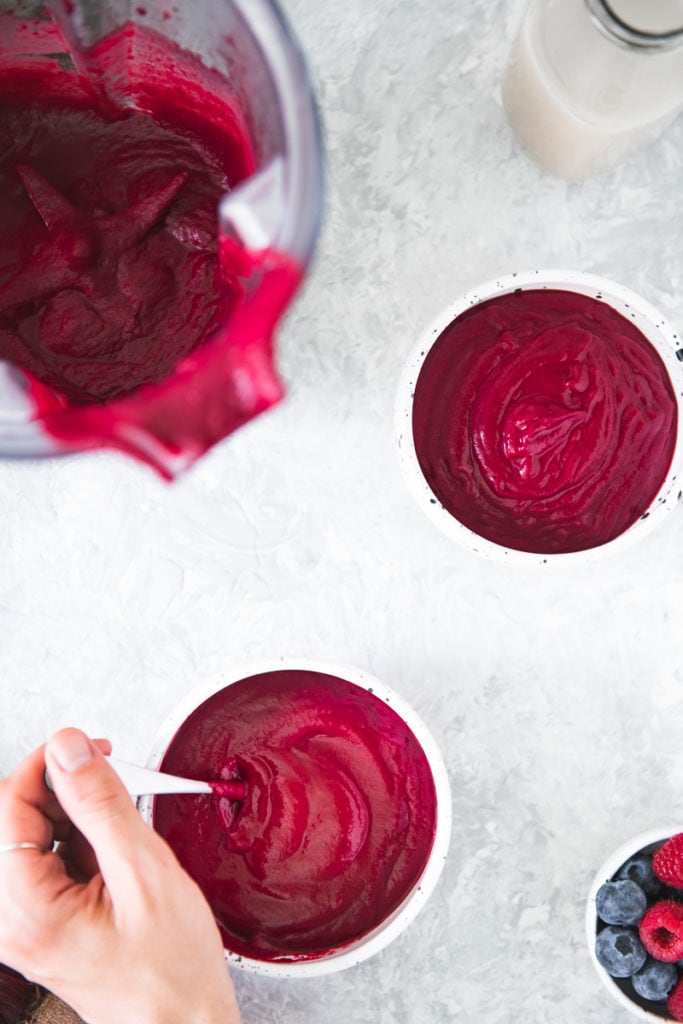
column 667, row 862
column 675, row 1001
column 661, row 930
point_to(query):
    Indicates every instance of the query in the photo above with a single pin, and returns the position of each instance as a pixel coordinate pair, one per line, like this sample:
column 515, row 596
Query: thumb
column 94, row 798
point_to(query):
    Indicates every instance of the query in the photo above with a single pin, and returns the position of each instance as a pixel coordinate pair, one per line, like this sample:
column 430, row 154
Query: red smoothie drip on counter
column 138, row 327
column 544, row 421
column 336, row 825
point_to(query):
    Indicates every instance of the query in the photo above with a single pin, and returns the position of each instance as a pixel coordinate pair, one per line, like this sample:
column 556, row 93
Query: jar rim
column 612, row 24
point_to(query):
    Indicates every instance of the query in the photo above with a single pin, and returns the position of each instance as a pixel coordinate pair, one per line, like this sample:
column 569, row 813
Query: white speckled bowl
column 653, row 838
column 650, row 322
column 389, row 929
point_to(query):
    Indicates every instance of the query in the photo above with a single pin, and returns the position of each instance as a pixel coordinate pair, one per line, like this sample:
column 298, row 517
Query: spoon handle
column 139, row 780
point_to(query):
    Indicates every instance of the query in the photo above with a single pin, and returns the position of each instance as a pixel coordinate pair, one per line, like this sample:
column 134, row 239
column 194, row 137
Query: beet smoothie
column 116, row 290
column 544, row 421
column 338, row 820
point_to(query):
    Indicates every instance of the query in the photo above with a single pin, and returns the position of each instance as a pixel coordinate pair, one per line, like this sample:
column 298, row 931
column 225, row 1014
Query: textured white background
column 556, row 697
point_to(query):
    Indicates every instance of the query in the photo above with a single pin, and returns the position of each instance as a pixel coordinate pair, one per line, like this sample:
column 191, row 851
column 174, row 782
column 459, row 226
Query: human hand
column 110, row 923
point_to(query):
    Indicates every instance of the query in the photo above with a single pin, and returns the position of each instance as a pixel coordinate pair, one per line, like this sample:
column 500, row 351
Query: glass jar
column 591, row 82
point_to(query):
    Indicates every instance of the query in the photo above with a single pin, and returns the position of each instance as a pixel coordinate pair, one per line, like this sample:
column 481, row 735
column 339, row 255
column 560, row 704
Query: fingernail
column 71, row 750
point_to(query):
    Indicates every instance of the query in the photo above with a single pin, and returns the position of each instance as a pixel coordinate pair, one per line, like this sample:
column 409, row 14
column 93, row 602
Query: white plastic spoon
column 139, row 780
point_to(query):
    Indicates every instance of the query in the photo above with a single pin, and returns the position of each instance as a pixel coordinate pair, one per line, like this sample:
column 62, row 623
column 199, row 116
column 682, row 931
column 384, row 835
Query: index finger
column 29, row 811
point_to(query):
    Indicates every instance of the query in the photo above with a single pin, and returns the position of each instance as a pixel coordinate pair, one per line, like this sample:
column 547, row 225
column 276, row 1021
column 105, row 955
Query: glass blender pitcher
column 245, row 46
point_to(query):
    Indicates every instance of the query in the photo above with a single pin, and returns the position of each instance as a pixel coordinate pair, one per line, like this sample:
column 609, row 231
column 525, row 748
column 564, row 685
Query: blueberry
column 655, row 980
column 620, row 902
column 639, row 870
column 620, row 951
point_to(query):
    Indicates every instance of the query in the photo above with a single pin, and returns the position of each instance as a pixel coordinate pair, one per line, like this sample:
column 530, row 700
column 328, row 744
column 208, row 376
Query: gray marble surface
column 556, row 697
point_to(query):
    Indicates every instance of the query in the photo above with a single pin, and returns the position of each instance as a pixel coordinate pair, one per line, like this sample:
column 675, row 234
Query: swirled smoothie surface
column 337, row 823
column 136, row 324
column 544, row 421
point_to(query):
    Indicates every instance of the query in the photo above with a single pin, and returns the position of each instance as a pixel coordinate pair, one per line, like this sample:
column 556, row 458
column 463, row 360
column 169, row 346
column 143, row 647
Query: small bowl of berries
column 634, row 925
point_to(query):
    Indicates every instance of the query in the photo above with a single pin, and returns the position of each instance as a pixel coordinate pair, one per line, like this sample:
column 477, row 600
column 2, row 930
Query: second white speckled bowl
column 650, row 322
column 385, row 933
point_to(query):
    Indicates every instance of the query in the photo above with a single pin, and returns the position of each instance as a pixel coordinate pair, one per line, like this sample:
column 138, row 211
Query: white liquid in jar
column 579, row 101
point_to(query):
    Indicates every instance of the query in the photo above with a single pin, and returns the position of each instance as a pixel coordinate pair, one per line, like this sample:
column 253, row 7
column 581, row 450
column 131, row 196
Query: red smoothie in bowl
column 544, row 419
column 338, row 823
